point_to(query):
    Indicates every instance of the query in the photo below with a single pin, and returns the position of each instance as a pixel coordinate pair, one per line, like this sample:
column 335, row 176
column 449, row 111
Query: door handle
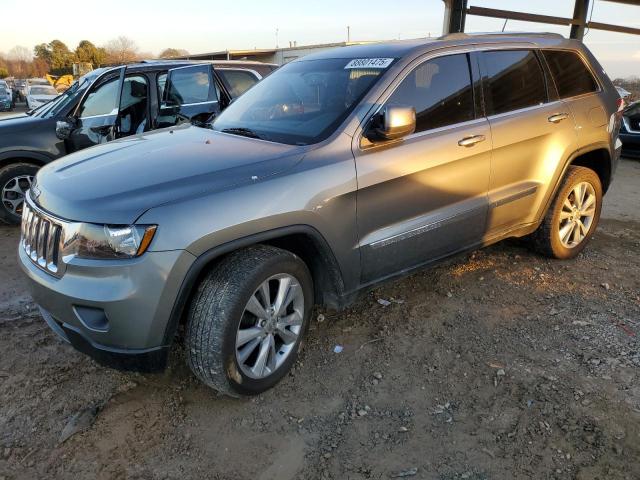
column 102, row 129
column 558, row 117
column 471, row 141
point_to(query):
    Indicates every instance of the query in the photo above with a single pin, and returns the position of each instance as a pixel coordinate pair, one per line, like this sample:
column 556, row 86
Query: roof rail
column 453, row 36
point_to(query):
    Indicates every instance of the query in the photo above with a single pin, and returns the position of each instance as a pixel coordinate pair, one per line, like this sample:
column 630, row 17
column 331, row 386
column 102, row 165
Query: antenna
column 348, row 33
column 276, row 37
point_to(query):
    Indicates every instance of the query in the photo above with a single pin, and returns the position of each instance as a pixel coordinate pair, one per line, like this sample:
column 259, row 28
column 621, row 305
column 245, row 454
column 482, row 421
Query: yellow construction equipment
column 62, row 82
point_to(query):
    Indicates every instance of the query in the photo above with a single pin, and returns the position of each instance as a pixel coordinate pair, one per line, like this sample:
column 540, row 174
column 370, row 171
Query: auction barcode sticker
column 369, row 63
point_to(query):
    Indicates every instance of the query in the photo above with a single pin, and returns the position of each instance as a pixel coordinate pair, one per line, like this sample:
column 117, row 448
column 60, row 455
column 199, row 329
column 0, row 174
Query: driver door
column 96, row 118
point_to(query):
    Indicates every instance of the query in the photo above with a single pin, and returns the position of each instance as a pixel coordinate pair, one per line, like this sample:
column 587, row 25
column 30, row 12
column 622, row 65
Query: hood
column 18, row 123
column 117, row 182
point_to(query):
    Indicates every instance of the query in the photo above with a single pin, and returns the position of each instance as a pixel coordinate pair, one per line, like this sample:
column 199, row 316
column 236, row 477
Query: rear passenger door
column 532, row 133
column 578, row 88
column 424, row 196
column 188, row 94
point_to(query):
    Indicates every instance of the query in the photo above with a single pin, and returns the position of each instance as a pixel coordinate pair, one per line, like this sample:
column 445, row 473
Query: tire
column 9, row 212
column 218, row 310
column 547, row 238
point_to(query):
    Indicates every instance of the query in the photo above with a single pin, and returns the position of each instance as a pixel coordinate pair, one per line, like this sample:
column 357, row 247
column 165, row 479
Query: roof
column 172, row 63
column 401, row 48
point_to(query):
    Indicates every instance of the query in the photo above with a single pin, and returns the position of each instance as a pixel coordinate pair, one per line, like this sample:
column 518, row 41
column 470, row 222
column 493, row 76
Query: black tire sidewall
column 6, row 174
column 285, row 263
column 578, row 176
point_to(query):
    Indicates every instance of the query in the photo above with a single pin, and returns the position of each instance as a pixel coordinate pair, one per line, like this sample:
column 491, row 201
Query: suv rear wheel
column 15, row 181
column 247, row 320
column 572, row 217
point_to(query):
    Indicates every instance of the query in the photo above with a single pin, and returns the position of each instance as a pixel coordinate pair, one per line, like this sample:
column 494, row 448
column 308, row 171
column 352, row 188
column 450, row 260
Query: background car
column 630, row 130
column 38, row 95
column 624, row 93
column 110, row 103
column 5, row 85
column 5, row 99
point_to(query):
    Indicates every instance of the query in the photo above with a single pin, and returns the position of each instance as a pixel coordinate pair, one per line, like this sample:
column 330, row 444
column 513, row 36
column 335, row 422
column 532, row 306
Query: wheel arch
column 597, row 159
column 302, row 240
column 33, row 158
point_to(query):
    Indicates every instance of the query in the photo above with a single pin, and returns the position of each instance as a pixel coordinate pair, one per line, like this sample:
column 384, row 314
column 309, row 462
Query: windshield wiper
column 245, row 132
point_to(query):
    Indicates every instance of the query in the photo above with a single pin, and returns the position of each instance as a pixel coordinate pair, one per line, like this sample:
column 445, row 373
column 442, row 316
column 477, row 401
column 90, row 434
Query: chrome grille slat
column 42, row 242
column 42, row 236
column 34, row 238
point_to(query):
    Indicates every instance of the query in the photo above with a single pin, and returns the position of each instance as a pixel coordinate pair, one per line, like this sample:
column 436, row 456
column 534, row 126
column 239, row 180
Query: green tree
column 173, row 53
column 4, row 73
column 57, row 55
column 88, row 52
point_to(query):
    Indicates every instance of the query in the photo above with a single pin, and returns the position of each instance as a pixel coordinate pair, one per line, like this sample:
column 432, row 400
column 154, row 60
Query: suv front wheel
column 572, row 217
column 247, row 320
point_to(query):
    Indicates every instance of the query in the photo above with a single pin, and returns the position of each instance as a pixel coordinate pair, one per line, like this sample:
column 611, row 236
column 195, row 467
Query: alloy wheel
column 14, row 191
column 577, row 214
column 270, row 325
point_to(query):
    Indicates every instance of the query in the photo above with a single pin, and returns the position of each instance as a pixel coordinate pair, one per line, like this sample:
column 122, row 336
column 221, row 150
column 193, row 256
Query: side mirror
column 392, row 123
column 64, row 128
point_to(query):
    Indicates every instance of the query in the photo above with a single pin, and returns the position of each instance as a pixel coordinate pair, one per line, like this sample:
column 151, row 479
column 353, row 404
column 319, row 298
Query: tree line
column 56, row 58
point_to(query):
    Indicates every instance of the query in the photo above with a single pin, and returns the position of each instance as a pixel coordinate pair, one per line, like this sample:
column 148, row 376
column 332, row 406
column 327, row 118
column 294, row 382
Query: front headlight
column 88, row 240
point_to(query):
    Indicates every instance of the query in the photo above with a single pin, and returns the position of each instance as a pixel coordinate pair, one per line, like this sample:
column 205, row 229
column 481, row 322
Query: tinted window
column 570, row 74
column 190, row 85
column 102, row 101
column 237, row 81
column 440, row 91
column 515, row 80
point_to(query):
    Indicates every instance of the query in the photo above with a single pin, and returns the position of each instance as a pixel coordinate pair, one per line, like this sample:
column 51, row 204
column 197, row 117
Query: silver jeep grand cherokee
column 338, row 171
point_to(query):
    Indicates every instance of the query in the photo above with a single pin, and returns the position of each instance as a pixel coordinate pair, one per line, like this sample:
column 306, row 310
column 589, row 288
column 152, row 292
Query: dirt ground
column 496, row 365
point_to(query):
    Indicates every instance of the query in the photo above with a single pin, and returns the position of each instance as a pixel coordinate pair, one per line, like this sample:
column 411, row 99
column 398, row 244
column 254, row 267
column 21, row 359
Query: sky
column 204, row 26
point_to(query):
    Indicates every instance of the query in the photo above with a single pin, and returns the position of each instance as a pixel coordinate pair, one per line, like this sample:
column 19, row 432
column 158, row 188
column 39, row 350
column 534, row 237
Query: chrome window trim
column 256, row 74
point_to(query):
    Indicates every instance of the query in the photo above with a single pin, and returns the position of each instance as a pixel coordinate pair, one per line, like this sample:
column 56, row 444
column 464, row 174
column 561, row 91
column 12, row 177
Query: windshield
column 43, row 91
column 68, row 98
column 302, row 102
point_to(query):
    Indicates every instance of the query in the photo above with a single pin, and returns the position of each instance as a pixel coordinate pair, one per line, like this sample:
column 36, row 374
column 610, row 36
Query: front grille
column 41, row 239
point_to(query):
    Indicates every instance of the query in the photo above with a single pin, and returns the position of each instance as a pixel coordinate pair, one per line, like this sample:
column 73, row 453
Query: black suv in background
column 110, row 103
column 630, row 130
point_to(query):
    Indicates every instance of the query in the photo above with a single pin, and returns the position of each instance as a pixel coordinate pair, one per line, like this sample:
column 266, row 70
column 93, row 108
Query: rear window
column 190, row 85
column 515, row 80
column 571, row 75
column 237, row 81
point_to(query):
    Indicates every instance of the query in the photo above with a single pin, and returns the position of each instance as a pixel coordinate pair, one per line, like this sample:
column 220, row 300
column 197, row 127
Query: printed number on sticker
column 369, row 63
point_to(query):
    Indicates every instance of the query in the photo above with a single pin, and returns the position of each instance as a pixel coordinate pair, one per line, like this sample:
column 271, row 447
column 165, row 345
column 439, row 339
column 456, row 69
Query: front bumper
column 115, row 311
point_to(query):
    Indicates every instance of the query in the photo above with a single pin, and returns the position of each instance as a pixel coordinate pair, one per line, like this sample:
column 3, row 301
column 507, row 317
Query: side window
column 515, row 80
column 102, row 101
column 570, row 74
column 190, row 85
column 237, row 81
column 440, row 91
